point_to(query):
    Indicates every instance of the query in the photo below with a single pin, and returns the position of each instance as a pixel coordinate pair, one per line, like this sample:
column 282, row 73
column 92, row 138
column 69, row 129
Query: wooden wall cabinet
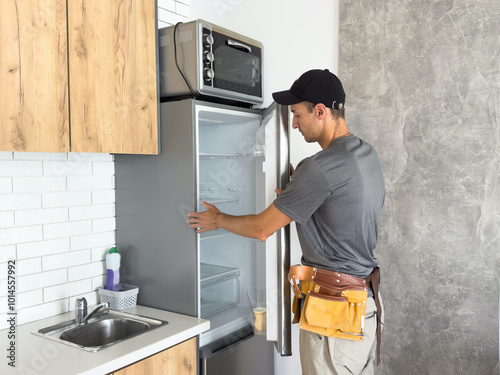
column 34, row 111
column 178, row 360
column 78, row 76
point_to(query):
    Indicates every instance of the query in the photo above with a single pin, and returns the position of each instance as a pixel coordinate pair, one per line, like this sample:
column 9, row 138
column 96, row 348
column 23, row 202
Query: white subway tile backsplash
column 170, row 17
column 92, row 240
column 65, row 260
column 3, row 280
column 28, row 266
column 66, row 199
column 41, row 248
column 45, row 310
column 9, row 202
column 38, row 184
column 6, row 219
column 89, row 182
column 86, row 270
column 103, row 196
column 31, row 298
column 103, row 168
column 86, row 156
column 3, row 306
column 91, row 212
column 40, row 156
column 6, row 253
column 5, row 155
column 72, row 228
column 167, row 5
column 41, row 216
column 12, row 168
column 5, row 185
column 98, row 281
column 103, row 225
column 99, row 253
column 41, row 280
column 66, row 290
column 66, row 168
column 11, row 236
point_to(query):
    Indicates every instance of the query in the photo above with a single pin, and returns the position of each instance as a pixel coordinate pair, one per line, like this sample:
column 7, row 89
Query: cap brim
column 286, row 98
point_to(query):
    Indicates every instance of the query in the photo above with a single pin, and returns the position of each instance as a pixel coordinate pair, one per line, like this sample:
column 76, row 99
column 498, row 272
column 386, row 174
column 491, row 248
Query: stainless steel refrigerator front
column 233, row 158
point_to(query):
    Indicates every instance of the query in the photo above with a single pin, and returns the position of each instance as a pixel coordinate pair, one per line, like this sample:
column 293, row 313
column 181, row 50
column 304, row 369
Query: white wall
column 297, row 36
column 57, row 220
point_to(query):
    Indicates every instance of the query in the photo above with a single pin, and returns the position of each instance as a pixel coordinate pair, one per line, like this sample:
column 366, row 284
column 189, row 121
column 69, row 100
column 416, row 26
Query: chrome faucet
column 81, row 316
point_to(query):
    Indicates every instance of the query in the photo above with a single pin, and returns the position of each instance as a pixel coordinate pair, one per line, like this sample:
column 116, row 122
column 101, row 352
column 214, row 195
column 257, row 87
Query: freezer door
column 274, row 135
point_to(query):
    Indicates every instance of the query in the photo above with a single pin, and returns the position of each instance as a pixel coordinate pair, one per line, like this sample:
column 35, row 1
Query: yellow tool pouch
column 329, row 303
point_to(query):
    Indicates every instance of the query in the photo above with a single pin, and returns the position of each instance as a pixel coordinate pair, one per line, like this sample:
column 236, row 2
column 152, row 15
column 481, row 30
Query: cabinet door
column 33, row 76
column 112, row 76
column 179, row 360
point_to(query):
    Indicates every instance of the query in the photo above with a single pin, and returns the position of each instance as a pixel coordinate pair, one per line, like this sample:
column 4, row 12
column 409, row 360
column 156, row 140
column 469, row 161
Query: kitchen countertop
column 37, row 355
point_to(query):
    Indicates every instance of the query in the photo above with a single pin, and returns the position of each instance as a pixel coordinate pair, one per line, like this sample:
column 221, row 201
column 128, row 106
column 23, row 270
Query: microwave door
column 274, row 136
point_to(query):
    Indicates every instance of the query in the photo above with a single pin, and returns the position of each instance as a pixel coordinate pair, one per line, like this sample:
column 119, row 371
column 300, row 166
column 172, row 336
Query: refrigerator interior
column 229, row 164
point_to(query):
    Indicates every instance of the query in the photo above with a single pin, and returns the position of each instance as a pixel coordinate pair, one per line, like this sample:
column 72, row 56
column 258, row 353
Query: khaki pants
column 321, row 355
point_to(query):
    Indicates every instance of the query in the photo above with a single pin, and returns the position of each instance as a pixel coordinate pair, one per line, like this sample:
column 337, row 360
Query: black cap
column 315, row 86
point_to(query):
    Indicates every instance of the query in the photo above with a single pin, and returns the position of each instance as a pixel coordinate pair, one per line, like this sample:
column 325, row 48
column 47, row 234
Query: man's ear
column 322, row 110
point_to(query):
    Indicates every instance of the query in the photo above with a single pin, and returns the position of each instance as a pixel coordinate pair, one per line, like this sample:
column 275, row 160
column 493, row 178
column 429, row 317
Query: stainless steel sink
column 105, row 329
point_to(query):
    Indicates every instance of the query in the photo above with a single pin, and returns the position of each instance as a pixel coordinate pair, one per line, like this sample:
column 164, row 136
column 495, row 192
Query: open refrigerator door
column 275, row 136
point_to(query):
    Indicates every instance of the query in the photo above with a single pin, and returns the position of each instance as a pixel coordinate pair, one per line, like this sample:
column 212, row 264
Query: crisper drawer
column 220, row 288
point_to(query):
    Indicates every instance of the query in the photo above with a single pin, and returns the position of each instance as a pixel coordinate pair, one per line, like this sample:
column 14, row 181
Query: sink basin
column 105, row 329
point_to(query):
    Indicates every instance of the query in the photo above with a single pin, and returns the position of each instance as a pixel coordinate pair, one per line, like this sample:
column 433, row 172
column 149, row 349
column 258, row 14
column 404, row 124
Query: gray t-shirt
column 336, row 197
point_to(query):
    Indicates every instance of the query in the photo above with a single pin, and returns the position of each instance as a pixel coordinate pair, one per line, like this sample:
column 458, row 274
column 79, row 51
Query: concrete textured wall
column 423, row 86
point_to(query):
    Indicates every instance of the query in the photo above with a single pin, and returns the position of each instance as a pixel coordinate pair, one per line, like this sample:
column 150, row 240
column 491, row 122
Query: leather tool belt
column 331, row 303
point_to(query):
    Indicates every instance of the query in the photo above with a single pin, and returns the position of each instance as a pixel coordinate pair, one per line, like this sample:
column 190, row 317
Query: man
column 335, row 197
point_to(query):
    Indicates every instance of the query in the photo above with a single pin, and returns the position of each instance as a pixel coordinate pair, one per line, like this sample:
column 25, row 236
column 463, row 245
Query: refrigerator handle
column 284, row 313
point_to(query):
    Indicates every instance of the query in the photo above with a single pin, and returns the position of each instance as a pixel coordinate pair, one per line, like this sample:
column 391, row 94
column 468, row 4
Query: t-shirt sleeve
column 306, row 191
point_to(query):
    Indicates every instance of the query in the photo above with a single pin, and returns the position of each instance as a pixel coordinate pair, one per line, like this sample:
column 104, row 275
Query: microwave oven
column 200, row 59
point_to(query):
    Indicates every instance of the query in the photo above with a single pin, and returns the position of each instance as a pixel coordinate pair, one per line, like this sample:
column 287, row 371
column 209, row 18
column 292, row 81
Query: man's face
column 306, row 122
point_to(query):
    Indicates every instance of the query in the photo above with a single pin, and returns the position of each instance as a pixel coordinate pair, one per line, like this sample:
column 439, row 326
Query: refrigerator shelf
column 212, row 156
column 247, row 154
column 221, row 200
column 213, row 274
column 215, row 234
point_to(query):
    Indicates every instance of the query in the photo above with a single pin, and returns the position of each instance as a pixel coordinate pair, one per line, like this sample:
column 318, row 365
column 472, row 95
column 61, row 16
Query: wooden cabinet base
column 178, row 360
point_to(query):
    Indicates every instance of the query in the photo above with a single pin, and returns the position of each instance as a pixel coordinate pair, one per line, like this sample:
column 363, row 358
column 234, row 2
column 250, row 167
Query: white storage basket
column 126, row 297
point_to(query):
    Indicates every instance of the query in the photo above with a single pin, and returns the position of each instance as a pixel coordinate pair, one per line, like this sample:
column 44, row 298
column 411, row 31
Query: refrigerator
column 234, row 158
